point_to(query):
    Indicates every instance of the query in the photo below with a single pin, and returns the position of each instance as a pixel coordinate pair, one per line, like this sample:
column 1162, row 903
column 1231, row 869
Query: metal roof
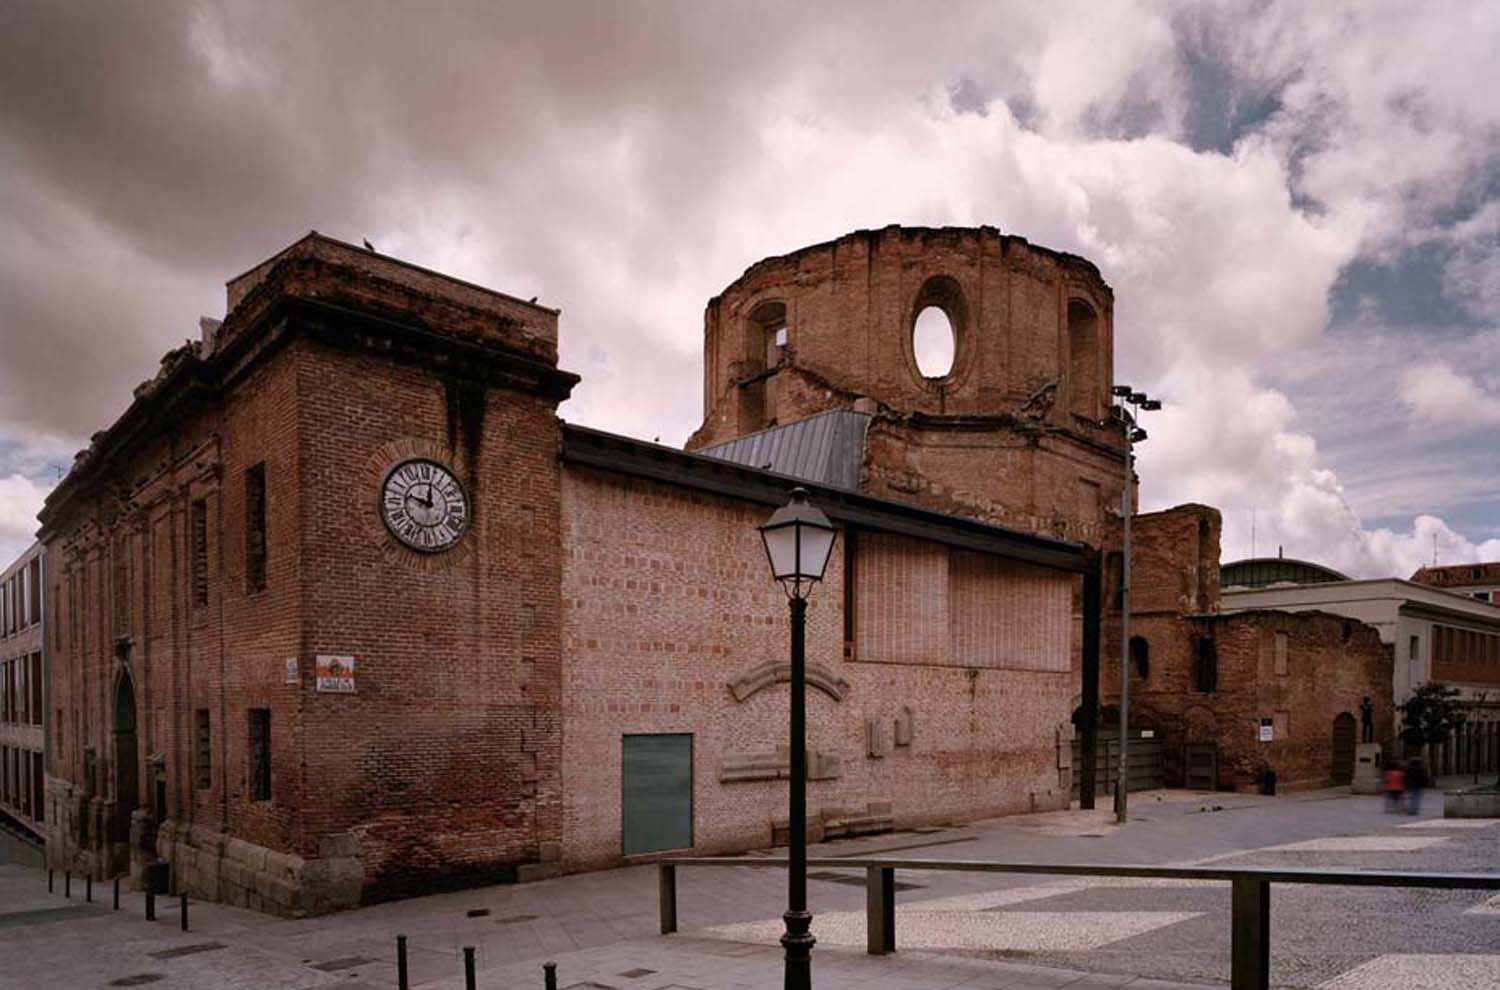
column 826, row 449
column 1259, row 572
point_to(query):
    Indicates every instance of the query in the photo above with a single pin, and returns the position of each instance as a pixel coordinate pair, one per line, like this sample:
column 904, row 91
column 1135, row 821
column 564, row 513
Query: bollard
column 49, row 881
column 117, row 893
column 549, row 975
column 468, row 967
column 401, row 978
column 67, row 883
column 184, row 912
column 150, row 903
column 88, row 888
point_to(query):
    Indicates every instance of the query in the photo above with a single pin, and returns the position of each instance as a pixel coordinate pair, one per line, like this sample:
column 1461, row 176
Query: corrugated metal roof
column 825, row 449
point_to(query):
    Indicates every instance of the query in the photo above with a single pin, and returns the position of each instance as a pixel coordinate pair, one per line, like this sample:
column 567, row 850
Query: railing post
column 88, row 888
column 117, row 894
column 667, row 882
column 49, row 880
column 1250, row 922
column 67, row 883
column 184, row 913
column 150, row 902
column 402, row 982
column 468, row 967
column 880, row 910
column 549, row 975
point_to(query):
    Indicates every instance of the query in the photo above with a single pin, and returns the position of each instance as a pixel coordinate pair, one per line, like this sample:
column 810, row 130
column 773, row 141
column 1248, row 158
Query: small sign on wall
column 291, row 670
column 1265, row 730
column 335, row 674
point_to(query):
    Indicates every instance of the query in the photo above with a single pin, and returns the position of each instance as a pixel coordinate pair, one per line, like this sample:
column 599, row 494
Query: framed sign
column 1265, row 729
column 291, row 670
column 335, row 674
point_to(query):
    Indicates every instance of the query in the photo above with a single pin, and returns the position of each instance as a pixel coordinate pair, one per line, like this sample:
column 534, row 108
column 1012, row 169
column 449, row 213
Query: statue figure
column 1366, row 720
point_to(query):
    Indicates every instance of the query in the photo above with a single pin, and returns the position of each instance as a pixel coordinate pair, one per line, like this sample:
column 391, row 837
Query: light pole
column 798, row 539
column 1133, row 435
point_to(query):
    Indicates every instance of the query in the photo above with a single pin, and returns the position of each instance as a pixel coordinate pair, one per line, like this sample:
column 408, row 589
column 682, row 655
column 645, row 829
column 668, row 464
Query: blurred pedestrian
column 1416, row 779
column 1393, row 781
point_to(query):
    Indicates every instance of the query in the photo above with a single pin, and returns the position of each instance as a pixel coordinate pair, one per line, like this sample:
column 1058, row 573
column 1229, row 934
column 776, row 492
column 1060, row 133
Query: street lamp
column 1133, row 435
column 798, row 539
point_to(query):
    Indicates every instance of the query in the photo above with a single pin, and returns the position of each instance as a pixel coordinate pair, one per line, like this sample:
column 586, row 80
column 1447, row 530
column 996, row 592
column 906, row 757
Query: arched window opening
column 933, row 343
column 1084, row 381
column 765, row 350
column 1140, row 656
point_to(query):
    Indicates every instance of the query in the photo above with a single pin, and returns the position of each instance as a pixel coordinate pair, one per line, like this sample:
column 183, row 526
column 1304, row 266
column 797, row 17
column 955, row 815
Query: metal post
column 1122, row 780
column 880, row 910
column 117, row 894
column 402, row 980
column 67, row 883
column 468, row 967
column 184, row 912
column 549, row 975
column 1088, row 727
column 798, row 940
column 150, row 901
column 1250, row 922
column 88, row 887
column 49, row 880
column 666, row 879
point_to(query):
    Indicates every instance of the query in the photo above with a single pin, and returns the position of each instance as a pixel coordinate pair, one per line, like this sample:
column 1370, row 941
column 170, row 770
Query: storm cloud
column 1228, row 166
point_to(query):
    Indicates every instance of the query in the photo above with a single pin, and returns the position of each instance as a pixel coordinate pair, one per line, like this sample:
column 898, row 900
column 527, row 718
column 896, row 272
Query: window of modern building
column 36, row 688
column 255, row 528
column 260, row 754
column 34, row 582
column 199, row 560
column 203, row 777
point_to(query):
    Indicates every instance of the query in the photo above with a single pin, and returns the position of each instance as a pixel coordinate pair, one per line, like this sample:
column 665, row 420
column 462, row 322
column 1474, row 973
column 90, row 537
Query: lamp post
column 1133, row 435
column 798, row 540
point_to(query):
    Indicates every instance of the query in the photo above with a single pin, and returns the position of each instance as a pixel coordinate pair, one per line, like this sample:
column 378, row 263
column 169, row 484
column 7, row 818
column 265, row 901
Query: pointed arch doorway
column 126, row 762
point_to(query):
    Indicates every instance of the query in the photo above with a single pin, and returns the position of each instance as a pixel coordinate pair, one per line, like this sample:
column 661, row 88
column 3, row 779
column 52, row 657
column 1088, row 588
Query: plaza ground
column 952, row 929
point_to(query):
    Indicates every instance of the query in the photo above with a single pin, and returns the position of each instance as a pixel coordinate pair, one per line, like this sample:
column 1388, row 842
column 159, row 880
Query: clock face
column 424, row 506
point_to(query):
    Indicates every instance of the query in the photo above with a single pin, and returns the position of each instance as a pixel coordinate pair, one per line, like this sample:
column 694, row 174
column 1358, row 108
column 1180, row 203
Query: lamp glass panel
column 817, row 543
column 781, row 549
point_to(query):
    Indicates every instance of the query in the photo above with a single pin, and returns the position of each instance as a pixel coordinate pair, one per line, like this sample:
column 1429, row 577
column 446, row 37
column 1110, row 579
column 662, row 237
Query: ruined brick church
column 342, row 610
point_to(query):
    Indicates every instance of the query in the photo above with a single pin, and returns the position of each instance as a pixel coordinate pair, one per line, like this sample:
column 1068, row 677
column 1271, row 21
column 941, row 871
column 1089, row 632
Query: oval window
column 933, row 343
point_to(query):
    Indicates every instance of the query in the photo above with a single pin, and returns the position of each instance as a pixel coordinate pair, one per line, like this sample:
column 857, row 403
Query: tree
column 1430, row 715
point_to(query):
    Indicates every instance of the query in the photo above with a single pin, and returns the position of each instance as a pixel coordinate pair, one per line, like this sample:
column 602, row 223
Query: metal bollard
column 549, row 975
column 401, row 978
column 184, row 912
column 117, row 893
column 88, row 888
column 468, row 967
column 49, row 881
column 67, row 883
column 150, row 902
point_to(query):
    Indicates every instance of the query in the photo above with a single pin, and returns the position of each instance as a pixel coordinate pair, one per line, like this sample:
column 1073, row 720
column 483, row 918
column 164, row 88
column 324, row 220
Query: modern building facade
column 1433, row 635
column 368, row 618
column 23, row 692
column 1480, row 581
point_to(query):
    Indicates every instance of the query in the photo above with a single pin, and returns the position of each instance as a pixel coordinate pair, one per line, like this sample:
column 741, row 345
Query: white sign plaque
column 1265, row 730
column 291, row 670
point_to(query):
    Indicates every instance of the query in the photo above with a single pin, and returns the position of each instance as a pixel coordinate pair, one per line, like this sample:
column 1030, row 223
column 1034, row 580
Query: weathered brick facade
column 1210, row 678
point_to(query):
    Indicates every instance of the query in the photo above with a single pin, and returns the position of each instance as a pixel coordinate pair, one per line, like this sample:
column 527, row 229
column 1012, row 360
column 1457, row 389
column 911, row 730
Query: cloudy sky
column 1298, row 206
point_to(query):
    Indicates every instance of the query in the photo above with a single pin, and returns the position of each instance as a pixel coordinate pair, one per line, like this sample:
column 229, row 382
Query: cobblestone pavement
column 953, row 929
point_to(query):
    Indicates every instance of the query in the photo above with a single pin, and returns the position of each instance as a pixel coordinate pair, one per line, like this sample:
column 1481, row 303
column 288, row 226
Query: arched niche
column 1085, row 362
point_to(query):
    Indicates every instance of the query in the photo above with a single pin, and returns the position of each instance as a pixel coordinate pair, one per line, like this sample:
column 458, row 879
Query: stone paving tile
column 1361, row 843
column 1452, row 823
column 1422, row 972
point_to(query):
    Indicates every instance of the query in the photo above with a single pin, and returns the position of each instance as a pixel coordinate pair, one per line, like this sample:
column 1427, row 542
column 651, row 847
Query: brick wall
column 666, row 601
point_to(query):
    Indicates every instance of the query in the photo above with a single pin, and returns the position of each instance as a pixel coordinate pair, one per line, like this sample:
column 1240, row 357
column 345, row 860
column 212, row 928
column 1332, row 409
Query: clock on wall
column 423, row 505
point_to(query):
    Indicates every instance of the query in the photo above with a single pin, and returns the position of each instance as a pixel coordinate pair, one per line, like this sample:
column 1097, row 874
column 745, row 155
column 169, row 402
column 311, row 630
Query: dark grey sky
column 1294, row 202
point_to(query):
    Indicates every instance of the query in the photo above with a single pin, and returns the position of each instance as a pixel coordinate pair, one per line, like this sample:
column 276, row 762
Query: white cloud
column 1441, row 396
column 20, row 501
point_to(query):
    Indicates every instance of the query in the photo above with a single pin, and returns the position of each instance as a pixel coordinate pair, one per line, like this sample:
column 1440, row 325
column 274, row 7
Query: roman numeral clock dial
column 424, row 506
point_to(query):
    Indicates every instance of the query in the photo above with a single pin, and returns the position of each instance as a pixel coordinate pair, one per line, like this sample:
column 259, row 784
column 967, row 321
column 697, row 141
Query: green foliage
column 1430, row 715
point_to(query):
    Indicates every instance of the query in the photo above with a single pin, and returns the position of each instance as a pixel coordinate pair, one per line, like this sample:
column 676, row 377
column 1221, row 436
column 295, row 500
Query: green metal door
column 657, row 793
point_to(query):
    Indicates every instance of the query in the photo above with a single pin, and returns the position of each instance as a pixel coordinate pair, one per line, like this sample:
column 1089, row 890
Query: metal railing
column 1250, row 894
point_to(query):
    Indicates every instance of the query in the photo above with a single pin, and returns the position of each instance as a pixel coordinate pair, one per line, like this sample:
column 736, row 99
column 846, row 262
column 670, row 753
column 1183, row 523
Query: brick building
column 345, row 611
column 1205, row 677
column 23, row 695
column 1480, row 581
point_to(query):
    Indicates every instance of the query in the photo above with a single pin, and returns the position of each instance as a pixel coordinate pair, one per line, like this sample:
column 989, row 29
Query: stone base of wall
column 1473, row 803
column 215, row 866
